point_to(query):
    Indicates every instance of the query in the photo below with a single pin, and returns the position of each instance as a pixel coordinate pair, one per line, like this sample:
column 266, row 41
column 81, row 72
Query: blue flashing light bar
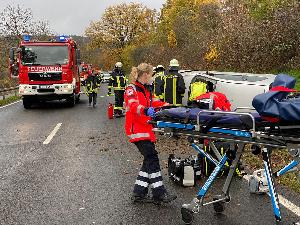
column 26, row 37
column 62, row 38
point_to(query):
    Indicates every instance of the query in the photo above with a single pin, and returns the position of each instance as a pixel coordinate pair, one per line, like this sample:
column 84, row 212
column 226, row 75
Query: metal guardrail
column 8, row 91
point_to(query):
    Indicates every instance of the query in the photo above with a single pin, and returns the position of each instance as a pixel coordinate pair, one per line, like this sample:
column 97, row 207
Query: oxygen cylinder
column 110, row 111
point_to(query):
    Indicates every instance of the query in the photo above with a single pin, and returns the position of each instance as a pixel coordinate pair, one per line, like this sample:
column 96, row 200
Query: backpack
column 214, row 100
column 184, row 172
column 207, row 167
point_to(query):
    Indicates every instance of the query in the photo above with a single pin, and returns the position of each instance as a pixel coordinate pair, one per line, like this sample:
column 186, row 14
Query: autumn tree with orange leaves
column 119, row 27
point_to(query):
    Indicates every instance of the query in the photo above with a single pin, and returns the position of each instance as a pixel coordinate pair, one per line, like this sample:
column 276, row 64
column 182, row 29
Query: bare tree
column 15, row 21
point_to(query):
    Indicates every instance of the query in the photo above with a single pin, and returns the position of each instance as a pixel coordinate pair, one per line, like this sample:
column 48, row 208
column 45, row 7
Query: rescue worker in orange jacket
column 140, row 107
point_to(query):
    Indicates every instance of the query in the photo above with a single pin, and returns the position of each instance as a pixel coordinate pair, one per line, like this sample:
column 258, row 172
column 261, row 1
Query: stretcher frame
column 237, row 139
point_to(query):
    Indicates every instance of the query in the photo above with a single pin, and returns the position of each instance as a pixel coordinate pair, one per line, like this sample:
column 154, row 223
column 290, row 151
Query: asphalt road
column 86, row 173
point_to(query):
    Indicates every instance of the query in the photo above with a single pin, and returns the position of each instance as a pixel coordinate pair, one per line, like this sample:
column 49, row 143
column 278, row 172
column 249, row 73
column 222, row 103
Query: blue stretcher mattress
column 276, row 103
column 189, row 115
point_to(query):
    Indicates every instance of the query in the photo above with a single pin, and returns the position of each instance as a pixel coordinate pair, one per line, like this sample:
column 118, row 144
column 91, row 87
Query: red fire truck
column 46, row 70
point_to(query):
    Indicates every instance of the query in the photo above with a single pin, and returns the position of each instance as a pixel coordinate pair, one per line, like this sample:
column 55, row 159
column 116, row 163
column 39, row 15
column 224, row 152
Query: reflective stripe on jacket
column 117, row 80
column 159, row 85
column 92, row 83
column 174, row 88
column 137, row 98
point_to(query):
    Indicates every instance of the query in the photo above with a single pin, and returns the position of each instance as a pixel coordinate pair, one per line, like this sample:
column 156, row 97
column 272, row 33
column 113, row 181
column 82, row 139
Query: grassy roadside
column 7, row 83
column 280, row 158
column 9, row 100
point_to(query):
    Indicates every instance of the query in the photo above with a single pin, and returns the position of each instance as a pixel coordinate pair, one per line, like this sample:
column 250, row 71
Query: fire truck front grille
column 45, row 76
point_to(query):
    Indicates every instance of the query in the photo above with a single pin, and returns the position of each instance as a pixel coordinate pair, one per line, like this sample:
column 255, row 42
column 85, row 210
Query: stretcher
column 239, row 130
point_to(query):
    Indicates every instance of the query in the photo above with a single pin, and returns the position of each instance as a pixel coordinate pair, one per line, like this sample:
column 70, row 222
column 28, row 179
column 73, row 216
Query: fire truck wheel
column 71, row 101
column 27, row 103
column 77, row 99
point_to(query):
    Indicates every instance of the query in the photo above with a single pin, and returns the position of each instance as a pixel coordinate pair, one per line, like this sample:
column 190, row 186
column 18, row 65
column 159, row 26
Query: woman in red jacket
column 140, row 104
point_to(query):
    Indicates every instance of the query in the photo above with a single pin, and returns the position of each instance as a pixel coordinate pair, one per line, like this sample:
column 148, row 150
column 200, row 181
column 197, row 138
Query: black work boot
column 165, row 198
column 141, row 198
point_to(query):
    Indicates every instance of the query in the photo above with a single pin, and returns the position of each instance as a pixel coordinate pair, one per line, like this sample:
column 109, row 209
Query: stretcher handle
column 229, row 113
column 239, row 108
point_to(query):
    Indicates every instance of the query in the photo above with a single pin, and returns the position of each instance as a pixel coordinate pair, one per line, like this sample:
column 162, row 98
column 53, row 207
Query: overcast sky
column 72, row 16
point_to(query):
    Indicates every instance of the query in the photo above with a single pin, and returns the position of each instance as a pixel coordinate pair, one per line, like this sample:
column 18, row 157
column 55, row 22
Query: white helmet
column 160, row 67
column 119, row 65
column 174, row 63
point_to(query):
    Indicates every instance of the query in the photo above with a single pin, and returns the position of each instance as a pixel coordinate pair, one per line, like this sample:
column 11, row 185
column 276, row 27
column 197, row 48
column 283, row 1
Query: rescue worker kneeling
column 92, row 84
column 140, row 105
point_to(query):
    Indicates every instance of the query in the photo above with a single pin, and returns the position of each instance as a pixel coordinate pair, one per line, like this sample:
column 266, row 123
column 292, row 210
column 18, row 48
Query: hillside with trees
column 260, row 36
column 231, row 35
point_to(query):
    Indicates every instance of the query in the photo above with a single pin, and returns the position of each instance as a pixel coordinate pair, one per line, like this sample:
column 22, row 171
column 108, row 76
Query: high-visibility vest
column 197, row 89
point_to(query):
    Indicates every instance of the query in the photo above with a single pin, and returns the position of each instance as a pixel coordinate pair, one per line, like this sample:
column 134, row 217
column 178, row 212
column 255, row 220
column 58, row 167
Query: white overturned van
column 240, row 88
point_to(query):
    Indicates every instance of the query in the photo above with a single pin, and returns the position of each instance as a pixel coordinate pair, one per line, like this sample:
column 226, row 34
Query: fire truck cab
column 46, row 70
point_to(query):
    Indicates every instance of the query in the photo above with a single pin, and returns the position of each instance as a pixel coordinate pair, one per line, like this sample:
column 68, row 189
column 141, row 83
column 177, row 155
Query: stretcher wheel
column 219, row 207
column 187, row 215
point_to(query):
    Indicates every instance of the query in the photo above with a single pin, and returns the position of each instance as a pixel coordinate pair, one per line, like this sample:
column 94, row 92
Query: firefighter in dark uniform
column 174, row 87
column 92, row 84
column 118, row 83
column 159, row 82
column 140, row 103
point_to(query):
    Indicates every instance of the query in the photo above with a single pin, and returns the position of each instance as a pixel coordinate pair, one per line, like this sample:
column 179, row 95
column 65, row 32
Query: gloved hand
column 108, row 93
column 150, row 111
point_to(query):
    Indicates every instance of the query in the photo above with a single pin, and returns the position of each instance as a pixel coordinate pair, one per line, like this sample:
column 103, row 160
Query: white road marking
column 52, row 134
column 289, row 205
column 10, row 104
column 283, row 201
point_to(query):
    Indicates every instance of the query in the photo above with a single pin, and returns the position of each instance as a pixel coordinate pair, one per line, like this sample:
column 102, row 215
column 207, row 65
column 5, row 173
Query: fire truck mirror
column 13, row 63
column 78, row 60
column 12, row 56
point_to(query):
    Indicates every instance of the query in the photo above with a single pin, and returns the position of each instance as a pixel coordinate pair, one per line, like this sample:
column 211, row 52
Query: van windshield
column 44, row 55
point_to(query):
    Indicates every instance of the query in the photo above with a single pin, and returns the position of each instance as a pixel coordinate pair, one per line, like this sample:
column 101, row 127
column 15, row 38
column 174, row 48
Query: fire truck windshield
column 44, row 55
